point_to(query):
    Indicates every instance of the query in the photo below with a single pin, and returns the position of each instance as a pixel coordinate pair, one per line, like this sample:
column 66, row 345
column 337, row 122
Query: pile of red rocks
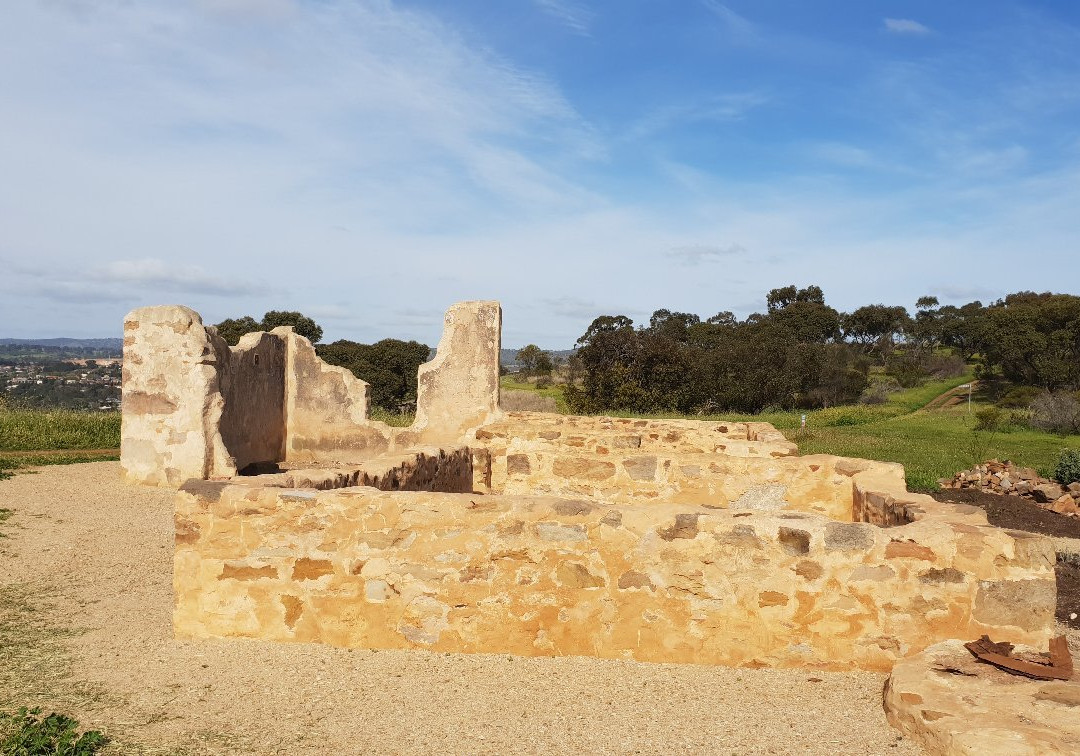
column 1006, row 478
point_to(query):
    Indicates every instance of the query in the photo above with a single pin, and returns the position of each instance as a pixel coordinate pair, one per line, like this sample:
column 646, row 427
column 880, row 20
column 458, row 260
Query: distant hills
column 111, row 344
column 508, row 357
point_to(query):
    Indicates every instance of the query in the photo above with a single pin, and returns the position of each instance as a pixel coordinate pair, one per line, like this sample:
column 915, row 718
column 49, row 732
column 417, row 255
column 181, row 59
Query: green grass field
column 62, row 437
column 931, row 444
column 29, row 430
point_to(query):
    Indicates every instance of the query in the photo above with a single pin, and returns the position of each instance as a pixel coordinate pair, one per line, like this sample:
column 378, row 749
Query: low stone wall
column 547, row 576
column 519, row 431
column 810, row 484
column 450, row 471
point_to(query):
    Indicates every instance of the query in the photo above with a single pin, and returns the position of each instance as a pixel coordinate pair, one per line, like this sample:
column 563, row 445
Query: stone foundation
column 653, row 581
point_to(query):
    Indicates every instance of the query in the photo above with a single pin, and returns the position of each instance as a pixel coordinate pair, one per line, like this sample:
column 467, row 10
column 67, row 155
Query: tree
column 303, row 325
column 231, row 329
column 778, row 299
column 534, row 361
column 1032, row 339
column 876, row 327
column 389, row 367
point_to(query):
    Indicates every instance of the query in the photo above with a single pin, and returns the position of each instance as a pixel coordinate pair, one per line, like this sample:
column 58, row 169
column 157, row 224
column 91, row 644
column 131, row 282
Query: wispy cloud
column 739, row 29
column 171, row 277
column 574, row 16
column 905, row 26
column 721, row 108
column 572, row 307
column 696, row 254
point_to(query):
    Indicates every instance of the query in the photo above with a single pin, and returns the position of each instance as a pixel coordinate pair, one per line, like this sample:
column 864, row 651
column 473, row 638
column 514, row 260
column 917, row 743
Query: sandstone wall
column 545, row 576
column 459, row 389
column 327, row 410
column 172, row 402
column 252, row 381
column 619, row 460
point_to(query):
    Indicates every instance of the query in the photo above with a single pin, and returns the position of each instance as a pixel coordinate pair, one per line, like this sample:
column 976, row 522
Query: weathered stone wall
column 327, row 410
column 459, row 389
column 545, row 576
column 619, row 460
column 194, row 408
column 172, row 402
column 252, row 381
column 602, row 435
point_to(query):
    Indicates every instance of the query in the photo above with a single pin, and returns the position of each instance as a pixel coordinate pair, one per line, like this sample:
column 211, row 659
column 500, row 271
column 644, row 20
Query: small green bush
column 28, row 733
column 987, row 419
column 1068, row 467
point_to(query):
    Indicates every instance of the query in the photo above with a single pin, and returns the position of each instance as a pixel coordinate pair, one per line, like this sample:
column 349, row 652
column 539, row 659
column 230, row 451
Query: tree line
column 799, row 353
column 802, row 353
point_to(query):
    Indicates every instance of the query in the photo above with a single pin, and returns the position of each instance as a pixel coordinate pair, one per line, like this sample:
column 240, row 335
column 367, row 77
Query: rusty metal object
column 1059, row 664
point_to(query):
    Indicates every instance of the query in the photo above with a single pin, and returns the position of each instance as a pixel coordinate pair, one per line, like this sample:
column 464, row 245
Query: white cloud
column 696, row 254
column 739, row 29
column 173, row 276
column 574, row 16
column 905, row 26
column 722, row 108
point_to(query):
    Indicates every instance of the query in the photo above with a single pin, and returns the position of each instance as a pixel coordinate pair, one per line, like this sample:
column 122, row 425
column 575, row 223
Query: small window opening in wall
column 256, row 360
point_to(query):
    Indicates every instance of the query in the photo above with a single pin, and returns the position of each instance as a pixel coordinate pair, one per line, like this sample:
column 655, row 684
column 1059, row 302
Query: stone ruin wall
column 538, row 576
column 539, row 534
column 194, row 407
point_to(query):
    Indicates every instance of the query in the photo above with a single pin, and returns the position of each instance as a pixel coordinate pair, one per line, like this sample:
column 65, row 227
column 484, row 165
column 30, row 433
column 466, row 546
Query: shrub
column 987, row 419
column 28, row 732
column 1068, row 467
column 906, row 367
column 945, row 366
column 1019, row 397
column 1057, row 412
column 878, row 391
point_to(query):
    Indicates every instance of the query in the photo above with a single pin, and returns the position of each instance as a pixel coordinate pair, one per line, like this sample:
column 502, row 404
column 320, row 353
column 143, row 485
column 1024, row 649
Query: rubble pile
column 1000, row 477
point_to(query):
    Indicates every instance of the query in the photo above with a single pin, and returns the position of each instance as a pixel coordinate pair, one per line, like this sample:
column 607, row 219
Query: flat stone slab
column 951, row 703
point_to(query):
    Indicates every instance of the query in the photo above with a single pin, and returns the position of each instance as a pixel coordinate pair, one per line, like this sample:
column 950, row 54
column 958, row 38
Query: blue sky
column 371, row 162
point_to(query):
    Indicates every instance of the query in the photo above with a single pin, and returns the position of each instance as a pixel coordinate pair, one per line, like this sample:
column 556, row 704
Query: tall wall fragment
column 172, row 402
column 459, row 389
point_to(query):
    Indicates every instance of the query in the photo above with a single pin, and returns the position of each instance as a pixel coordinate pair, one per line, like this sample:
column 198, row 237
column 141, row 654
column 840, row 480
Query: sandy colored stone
column 656, row 581
column 952, row 704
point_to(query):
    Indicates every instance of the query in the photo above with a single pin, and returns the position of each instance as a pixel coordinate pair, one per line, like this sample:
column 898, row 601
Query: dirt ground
column 85, row 628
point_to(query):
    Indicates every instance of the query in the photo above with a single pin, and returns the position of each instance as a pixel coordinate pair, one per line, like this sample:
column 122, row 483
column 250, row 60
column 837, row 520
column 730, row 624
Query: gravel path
column 84, row 551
